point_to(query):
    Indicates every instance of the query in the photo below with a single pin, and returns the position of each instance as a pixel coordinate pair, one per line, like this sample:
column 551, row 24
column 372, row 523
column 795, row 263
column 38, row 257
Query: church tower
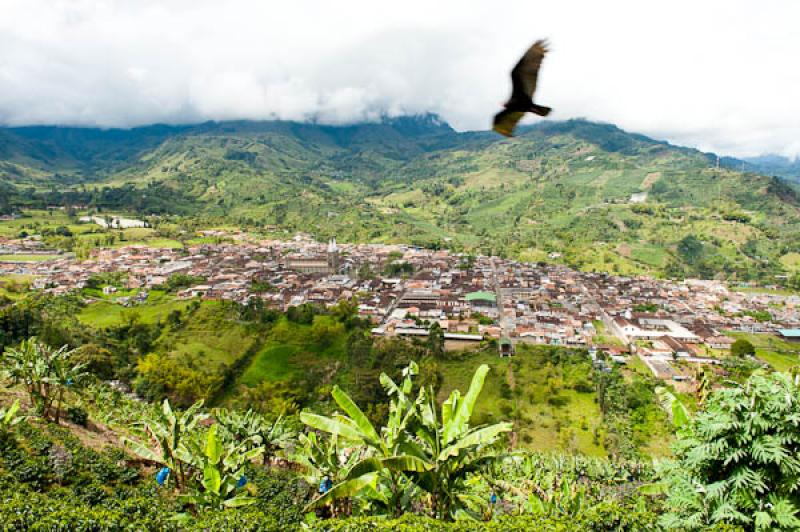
column 333, row 256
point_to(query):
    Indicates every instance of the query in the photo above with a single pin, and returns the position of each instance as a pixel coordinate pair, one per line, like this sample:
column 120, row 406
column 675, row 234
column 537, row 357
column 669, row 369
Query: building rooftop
column 481, row 295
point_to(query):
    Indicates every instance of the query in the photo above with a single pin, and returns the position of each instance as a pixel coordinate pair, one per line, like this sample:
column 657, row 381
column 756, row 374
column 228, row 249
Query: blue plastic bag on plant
column 162, row 476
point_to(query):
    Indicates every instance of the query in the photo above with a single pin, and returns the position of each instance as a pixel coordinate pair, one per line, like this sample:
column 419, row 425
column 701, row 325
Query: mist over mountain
column 773, row 164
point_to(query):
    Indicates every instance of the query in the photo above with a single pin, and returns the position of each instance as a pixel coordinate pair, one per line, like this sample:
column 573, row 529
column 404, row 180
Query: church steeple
column 333, row 255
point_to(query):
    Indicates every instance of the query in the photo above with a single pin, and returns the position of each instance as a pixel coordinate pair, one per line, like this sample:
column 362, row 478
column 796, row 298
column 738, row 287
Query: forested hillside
column 583, row 193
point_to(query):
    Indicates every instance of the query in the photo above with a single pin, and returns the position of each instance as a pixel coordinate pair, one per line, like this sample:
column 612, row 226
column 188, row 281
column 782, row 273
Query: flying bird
column 523, row 80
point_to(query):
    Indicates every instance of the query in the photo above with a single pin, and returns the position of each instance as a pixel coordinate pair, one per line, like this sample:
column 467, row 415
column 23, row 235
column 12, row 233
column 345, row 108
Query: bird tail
column 540, row 110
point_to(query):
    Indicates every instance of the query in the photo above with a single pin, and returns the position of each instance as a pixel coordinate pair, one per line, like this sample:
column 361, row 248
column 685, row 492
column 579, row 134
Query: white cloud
column 720, row 75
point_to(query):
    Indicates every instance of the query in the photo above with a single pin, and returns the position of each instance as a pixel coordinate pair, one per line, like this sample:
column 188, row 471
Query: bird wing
column 505, row 121
column 525, row 73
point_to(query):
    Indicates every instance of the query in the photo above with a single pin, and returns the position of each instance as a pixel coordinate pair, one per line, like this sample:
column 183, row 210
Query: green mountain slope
column 600, row 197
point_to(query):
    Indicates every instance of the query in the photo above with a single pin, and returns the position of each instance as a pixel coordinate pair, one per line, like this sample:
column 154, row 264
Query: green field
column 548, row 426
column 28, row 258
column 210, row 334
column 603, row 337
column 40, row 222
column 272, row 363
column 762, row 290
column 791, row 261
column 108, row 314
column 778, row 353
column 32, row 222
column 290, row 351
column 650, row 255
column 548, row 411
column 15, row 286
column 135, row 236
column 457, row 375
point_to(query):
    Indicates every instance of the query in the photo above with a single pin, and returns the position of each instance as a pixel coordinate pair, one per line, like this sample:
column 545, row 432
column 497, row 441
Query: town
column 475, row 300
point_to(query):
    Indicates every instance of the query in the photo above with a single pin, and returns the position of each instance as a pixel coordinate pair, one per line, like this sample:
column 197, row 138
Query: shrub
column 505, row 390
column 737, row 461
column 609, row 516
column 742, row 348
column 77, row 415
column 558, row 400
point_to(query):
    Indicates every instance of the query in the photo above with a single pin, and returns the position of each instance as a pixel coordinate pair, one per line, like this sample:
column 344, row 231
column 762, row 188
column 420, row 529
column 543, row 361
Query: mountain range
column 584, row 193
column 778, row 165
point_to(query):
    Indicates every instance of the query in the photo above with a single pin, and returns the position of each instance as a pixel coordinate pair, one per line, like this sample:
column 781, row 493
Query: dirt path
column 512, row 383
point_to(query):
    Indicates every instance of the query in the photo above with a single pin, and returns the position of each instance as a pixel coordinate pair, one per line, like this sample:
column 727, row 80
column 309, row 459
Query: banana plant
column 449, row 451
column 675, row 410
column 168, row 433
column 703, row 385
column 65, row 375
column 46, row 374
column 272, row 436
column 436, row 453
column 326, row 458
column 320, row 458
column 28, row 365
column 569, row 500
column 9, row 417
column 221, row 468
column 379, row 474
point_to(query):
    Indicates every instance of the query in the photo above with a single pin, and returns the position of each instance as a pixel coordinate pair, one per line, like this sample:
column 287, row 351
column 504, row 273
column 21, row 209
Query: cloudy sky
column 715, row 74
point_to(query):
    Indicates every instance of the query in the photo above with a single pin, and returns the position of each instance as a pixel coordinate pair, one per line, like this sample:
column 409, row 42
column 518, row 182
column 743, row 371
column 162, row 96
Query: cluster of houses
column 27, row 247
column 404, row 290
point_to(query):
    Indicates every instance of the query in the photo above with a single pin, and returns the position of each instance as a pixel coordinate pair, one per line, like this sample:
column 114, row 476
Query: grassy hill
column 603, row 198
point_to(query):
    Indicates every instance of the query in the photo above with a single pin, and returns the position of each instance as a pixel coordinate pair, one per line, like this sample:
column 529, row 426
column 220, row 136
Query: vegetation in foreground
column 306, row 402
column 121, row 463
column 276, row 363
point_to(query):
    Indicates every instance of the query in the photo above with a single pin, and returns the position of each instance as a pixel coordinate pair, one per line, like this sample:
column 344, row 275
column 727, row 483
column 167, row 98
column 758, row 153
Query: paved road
column 506, row 323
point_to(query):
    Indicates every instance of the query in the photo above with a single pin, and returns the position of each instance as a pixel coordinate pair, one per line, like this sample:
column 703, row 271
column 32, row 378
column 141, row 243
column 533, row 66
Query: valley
column 272, row 324
column 596, row 295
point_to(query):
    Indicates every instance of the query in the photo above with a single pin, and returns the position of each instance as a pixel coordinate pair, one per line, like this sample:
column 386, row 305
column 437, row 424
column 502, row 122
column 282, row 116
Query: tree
column 174, row 318
column 177, row 281
column 270, row 397
column 45, row 373
column 324, row 332
column 742, row 348
column 162, row 376
column 436, row 340
column 691, row 249
column 98, row 360
column 737, row 462
column 345, row 311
